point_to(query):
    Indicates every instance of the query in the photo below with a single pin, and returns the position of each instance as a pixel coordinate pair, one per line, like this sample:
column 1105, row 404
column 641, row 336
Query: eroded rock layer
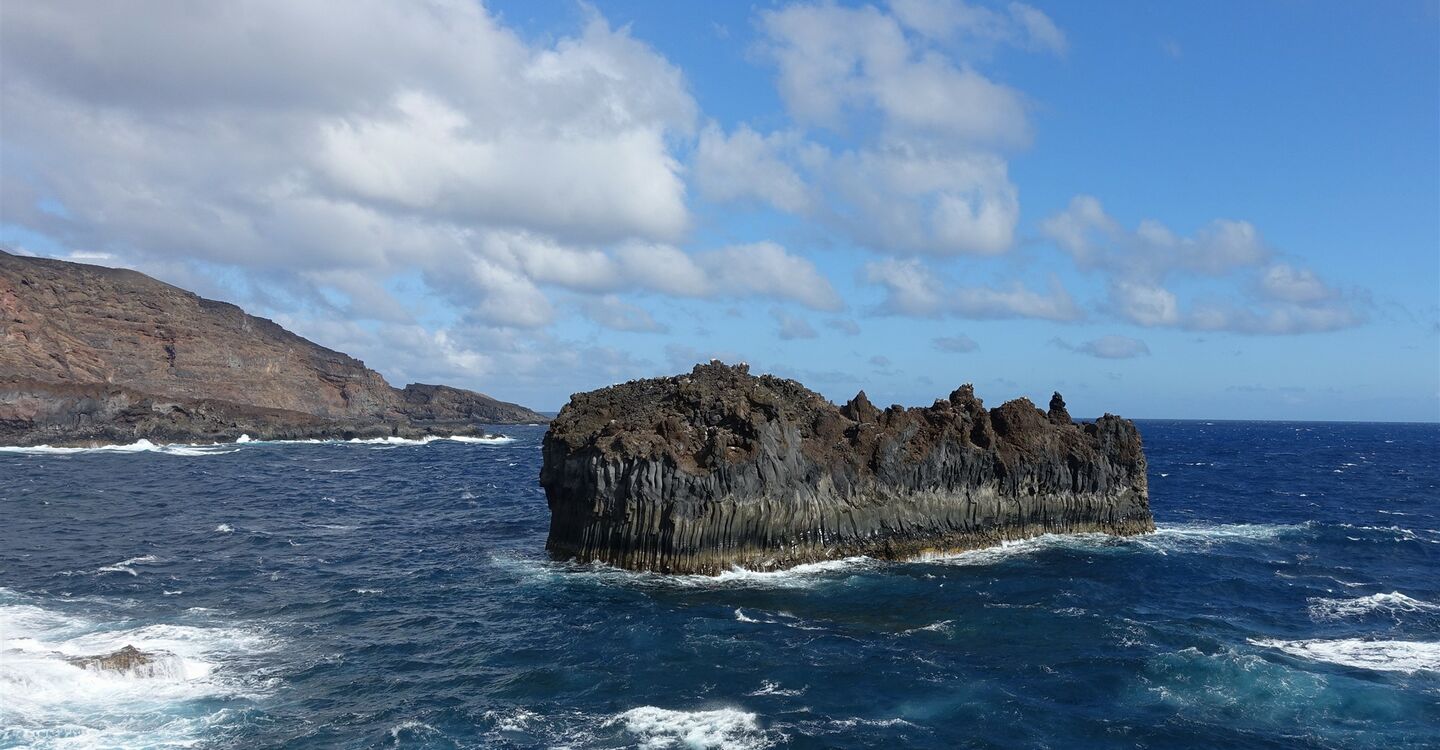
column 702, row 472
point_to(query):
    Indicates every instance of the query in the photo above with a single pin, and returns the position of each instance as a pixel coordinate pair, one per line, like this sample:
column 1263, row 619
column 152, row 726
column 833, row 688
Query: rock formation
column 702, row 472
column 94, row 354
column 128, row 659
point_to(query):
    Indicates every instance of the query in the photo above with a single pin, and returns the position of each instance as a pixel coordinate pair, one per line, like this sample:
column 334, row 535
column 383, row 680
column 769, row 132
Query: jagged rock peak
column 1058, row 413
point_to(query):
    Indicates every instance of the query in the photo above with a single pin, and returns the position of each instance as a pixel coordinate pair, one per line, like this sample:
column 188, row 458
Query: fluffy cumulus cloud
column 1265, row 294
column 914, row 133
column 913, row 289
column 331, row 153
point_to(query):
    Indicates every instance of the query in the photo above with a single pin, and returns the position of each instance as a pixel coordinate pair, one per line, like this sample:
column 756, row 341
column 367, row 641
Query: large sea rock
column 90, row 354
column 703, row 472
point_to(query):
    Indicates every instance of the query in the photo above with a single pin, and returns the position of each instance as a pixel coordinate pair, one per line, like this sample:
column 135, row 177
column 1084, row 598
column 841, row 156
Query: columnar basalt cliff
column 94, row 354
column 702, row 472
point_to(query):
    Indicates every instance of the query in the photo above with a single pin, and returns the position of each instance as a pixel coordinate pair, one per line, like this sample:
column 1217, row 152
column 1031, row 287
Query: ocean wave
column 125, row 566
column 798, row 577
column 1200, row 537
column 50, row 702
column 1167, row 538
column 139, row 446
column 727, row 728
column 1391, row 603
column 1386, row 656
column 215, row 449
column 1010, row 549
column 773, row 688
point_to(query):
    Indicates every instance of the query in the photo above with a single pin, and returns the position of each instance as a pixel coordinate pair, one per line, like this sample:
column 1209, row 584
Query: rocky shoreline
column 716, row 469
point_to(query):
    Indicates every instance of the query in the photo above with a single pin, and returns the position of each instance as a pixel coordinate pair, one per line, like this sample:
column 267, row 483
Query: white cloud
column 792, row 327
column 1107, row 347
column 1287, row 283
column 1020, row 24
column 612, row 312
column 343, row 150
column 1279, row 320
column 957, row 344
column 1144, row 304
column 764, row 269
column 1273, row 297
column 905, row 201
column 833, row 60
column 747, row 165
column 844, row 325
column 913, row 289
column 913, row 163
column 1151, row 250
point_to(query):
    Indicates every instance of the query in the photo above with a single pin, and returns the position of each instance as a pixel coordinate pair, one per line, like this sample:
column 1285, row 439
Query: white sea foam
column 799, row 576
column 488, row 440
column 126, row 566
column 518, row 720
column 139, row 446
column 51, row 703
column 728, row 728
column 224, row 528
column 413, row 729
column 1021, row 547
column 1199, row 537
column 1391, row 603
column 943, row 626
column 773, row 688
column 392, row 440
column 1387, row 656
column 215, row 449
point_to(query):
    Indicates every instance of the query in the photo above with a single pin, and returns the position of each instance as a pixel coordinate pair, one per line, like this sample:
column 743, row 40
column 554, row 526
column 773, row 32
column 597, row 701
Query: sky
column 1222, row 210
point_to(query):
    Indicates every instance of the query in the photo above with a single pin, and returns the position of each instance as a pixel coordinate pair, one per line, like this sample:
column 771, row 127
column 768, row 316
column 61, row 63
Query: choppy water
column 392, row 595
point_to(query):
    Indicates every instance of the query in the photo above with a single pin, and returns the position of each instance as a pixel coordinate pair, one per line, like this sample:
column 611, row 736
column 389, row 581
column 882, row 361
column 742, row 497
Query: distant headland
column 92, row 355
column 718, row 468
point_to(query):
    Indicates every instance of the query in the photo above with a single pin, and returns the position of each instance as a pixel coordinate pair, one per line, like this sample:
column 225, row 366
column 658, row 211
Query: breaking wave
column 727, row 728
column 171, row 701
column 1385, row 656
column 139, row 446
column 1391, row 603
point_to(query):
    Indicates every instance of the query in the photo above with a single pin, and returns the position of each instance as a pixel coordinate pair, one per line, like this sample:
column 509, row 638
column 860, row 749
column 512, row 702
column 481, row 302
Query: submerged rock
column 129, row 660
column 702, row 472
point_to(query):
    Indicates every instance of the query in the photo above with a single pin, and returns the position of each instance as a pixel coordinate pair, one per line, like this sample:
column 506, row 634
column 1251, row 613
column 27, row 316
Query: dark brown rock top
column 66, row 324
column 698, row 472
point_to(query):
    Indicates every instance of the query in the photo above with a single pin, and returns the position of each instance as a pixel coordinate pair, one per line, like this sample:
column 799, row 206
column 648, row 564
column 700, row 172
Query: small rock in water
column 127, row 659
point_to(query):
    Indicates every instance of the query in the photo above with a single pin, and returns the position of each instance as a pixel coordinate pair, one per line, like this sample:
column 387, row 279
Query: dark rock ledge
column 703, row 472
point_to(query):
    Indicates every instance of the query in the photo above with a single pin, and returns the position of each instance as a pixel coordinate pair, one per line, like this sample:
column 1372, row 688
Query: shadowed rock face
column 699, row 473
column 94, row 354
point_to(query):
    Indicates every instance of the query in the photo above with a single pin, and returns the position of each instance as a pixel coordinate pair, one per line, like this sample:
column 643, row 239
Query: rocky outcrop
column 702, row 472
column 94, row 354
column 128, row 660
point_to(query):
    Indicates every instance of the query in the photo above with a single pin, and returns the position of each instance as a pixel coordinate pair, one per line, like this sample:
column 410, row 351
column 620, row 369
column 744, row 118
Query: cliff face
column 702, row 472
column 65, row 325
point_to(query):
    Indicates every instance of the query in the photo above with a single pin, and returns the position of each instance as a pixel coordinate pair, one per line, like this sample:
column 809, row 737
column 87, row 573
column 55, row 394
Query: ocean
column 397, row 595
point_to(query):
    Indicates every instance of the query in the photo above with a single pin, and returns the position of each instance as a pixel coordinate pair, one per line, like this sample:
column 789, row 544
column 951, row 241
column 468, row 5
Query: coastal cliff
column 94, row 354
column 702, row 472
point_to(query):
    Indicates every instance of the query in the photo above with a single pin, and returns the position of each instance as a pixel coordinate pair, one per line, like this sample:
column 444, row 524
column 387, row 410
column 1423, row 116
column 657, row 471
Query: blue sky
column 1222, row 210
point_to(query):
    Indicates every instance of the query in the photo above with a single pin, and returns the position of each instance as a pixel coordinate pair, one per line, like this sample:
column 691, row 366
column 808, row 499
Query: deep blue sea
column 392, row 595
